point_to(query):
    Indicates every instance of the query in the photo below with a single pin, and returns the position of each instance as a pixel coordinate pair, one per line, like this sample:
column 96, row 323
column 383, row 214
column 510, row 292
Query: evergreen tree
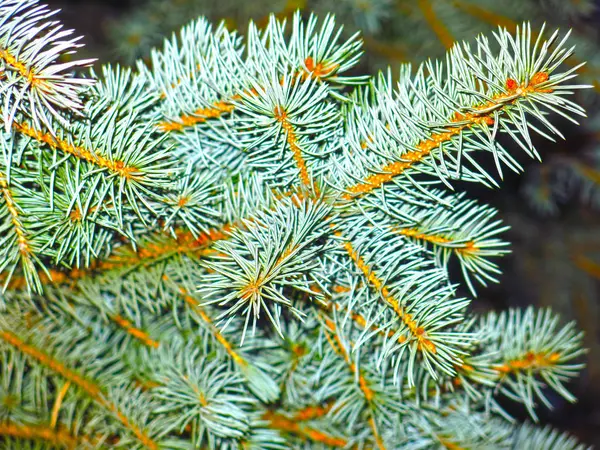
column 241, row 245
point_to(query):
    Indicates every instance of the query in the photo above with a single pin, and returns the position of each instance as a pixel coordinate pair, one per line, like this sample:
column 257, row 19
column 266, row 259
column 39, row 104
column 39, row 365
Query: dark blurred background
column 553, row 209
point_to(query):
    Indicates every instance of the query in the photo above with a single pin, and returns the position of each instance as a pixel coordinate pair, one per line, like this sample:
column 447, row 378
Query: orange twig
column 125, row 257
column 58, row 402
column 193, row 303
column 414, row 233
column 529, row 361
column 117, row 167
column 135, row 332
column 18, row 66
column 292, row 140
column 363, row 384
column 312, row 412
column 23, row 242
column 418, row 332
column 283, row 423
column 449, row 444
column 587, row 265
column 199, row 116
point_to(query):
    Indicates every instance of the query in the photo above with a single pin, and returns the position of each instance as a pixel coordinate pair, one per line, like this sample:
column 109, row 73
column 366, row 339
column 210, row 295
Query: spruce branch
column 207, row 395
column 10, row 337
column 35, row 83
column 258, row 380
column 423, row 328
column 362, row 395
column 433, row 123
column 534, row 353
column 453, row 226
column 20, row 243
column 41, row 433
column 278, row 251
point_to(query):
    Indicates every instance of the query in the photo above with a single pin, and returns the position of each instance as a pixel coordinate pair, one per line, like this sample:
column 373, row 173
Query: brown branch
column 90, row 387
column 54, row 142
column 60, row 437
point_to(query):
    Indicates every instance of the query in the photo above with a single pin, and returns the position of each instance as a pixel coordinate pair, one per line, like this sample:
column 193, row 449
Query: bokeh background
column 553, row 209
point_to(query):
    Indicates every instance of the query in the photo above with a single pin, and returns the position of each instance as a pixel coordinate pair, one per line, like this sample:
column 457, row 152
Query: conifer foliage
column 241, row 245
